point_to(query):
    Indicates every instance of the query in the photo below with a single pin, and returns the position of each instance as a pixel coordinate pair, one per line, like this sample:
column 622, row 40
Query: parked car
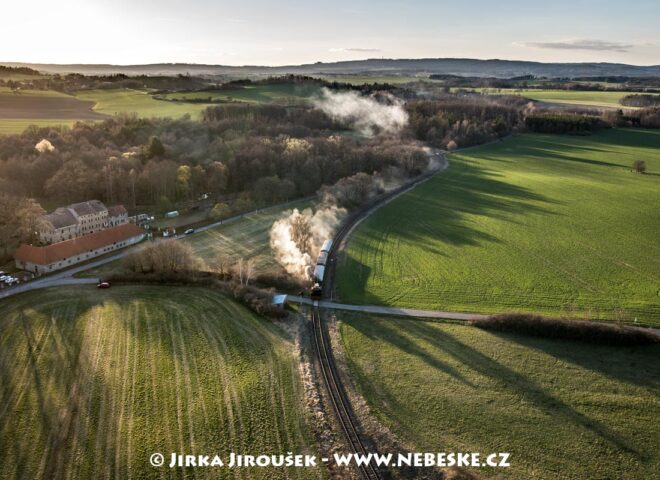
column 189, row 231
column 11, row 280
column 3, row 278
column 103, row 285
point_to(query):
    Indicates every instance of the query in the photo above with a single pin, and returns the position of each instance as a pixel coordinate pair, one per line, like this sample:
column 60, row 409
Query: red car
column 103, row 285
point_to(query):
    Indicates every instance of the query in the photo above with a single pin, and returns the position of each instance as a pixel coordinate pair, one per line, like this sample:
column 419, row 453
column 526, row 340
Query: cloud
column 355, row 49
column 581, row 44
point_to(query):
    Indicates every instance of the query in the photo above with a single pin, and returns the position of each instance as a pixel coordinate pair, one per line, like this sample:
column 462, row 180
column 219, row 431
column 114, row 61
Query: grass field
column 283, row 94
column 95, row 382
column 248, row 238
column 114, row 102
column 366, row 79
column 590, row 98
column 10, row 126
column 549, row 224
column 561, row 409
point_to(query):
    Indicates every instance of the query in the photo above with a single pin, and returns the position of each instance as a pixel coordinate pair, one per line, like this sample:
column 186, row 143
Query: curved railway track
column 338, row 398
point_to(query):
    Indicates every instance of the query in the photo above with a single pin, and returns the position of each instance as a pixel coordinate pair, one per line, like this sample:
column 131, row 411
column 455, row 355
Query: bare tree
column 249, row 271
column 221, row 264
column 245, row 270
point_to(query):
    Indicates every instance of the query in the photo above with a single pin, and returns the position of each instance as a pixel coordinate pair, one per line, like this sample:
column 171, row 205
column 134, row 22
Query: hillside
column 541, row 223
column 448, row 66
column 94, row 382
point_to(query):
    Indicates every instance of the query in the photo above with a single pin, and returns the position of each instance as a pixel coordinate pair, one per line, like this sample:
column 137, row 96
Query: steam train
column 319, row 269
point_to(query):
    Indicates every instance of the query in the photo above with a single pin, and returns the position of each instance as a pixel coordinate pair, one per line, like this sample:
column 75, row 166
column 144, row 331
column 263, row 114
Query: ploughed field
column 20, row 109
column 95, row 381
column 562, row 409
column 536, row 223
column 45, row 108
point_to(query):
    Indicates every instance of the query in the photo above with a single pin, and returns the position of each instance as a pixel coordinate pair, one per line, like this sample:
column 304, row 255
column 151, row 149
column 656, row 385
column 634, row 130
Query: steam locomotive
column 319, row 269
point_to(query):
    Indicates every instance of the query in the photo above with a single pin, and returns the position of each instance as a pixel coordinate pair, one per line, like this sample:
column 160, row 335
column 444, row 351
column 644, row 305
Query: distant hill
column 440, row 66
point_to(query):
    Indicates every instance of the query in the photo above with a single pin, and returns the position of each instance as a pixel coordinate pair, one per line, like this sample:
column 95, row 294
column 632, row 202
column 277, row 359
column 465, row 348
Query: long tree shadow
column 440, row 212
column 541, row 399
column 388, row 333
column 637, row 365
column 43, row 390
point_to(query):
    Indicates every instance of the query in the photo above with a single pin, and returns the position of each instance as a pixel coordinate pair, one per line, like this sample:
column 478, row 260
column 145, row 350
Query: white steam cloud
column 366, row 114
column 296, row 239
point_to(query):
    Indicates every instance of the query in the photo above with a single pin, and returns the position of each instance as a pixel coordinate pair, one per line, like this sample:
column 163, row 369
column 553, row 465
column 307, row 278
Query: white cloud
column 354, row 49
column 581, row 44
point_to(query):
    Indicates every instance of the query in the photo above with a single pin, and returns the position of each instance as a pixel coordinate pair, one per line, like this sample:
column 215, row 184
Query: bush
column 163, row 257
column 257, row 300
column 279, row 280
column 580, row 330
column 639, row 166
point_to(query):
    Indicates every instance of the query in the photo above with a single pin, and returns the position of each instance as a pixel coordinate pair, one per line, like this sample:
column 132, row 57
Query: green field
column 283, row 94
column 538, row 223
column 94, row 382
column 590, row 98
column 561, row 409
column 10, row 126
column 367, row 79
column 114, row 102
column 248, row 238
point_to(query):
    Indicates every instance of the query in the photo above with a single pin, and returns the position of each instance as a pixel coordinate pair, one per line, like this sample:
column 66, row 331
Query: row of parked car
column 8, row 279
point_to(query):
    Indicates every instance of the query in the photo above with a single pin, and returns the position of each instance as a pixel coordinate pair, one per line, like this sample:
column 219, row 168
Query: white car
column 11, row 280
column 3, row 278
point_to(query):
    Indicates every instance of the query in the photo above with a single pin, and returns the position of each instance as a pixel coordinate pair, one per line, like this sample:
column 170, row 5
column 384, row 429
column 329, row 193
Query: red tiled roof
column 70, row 248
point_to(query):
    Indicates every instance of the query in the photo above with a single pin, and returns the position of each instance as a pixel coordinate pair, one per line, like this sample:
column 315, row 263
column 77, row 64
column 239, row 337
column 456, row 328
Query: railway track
column 338, row 398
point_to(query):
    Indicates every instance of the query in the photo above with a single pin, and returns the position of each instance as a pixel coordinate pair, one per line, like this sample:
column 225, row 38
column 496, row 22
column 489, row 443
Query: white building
column 79, row 219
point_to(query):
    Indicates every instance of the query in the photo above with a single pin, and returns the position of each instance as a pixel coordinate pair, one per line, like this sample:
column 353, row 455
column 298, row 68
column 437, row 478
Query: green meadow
column 94, row 382
column 283, row 94
column 574, row 97
column 140, row 102
column 561, row 409
column 551, row 224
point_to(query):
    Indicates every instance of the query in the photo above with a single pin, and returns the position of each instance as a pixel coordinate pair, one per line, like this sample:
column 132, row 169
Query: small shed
column 279, row 300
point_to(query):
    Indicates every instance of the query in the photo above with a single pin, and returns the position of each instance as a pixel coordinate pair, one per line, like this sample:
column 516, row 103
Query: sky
column 285, row 32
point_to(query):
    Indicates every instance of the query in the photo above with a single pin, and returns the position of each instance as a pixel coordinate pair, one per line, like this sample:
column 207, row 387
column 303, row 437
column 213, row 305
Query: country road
column 402, row 312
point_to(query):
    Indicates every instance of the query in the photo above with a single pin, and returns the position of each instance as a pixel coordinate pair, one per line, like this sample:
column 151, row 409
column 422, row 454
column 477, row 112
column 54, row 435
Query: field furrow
column 101, row 380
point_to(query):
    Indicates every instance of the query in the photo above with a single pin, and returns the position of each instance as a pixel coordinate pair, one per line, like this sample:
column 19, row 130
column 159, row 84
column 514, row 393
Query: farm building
column 117, row 215
column 64, row 254
column 79, row 219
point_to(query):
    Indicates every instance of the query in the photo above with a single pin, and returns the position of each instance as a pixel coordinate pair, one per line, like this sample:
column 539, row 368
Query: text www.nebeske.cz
column 426, row 459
